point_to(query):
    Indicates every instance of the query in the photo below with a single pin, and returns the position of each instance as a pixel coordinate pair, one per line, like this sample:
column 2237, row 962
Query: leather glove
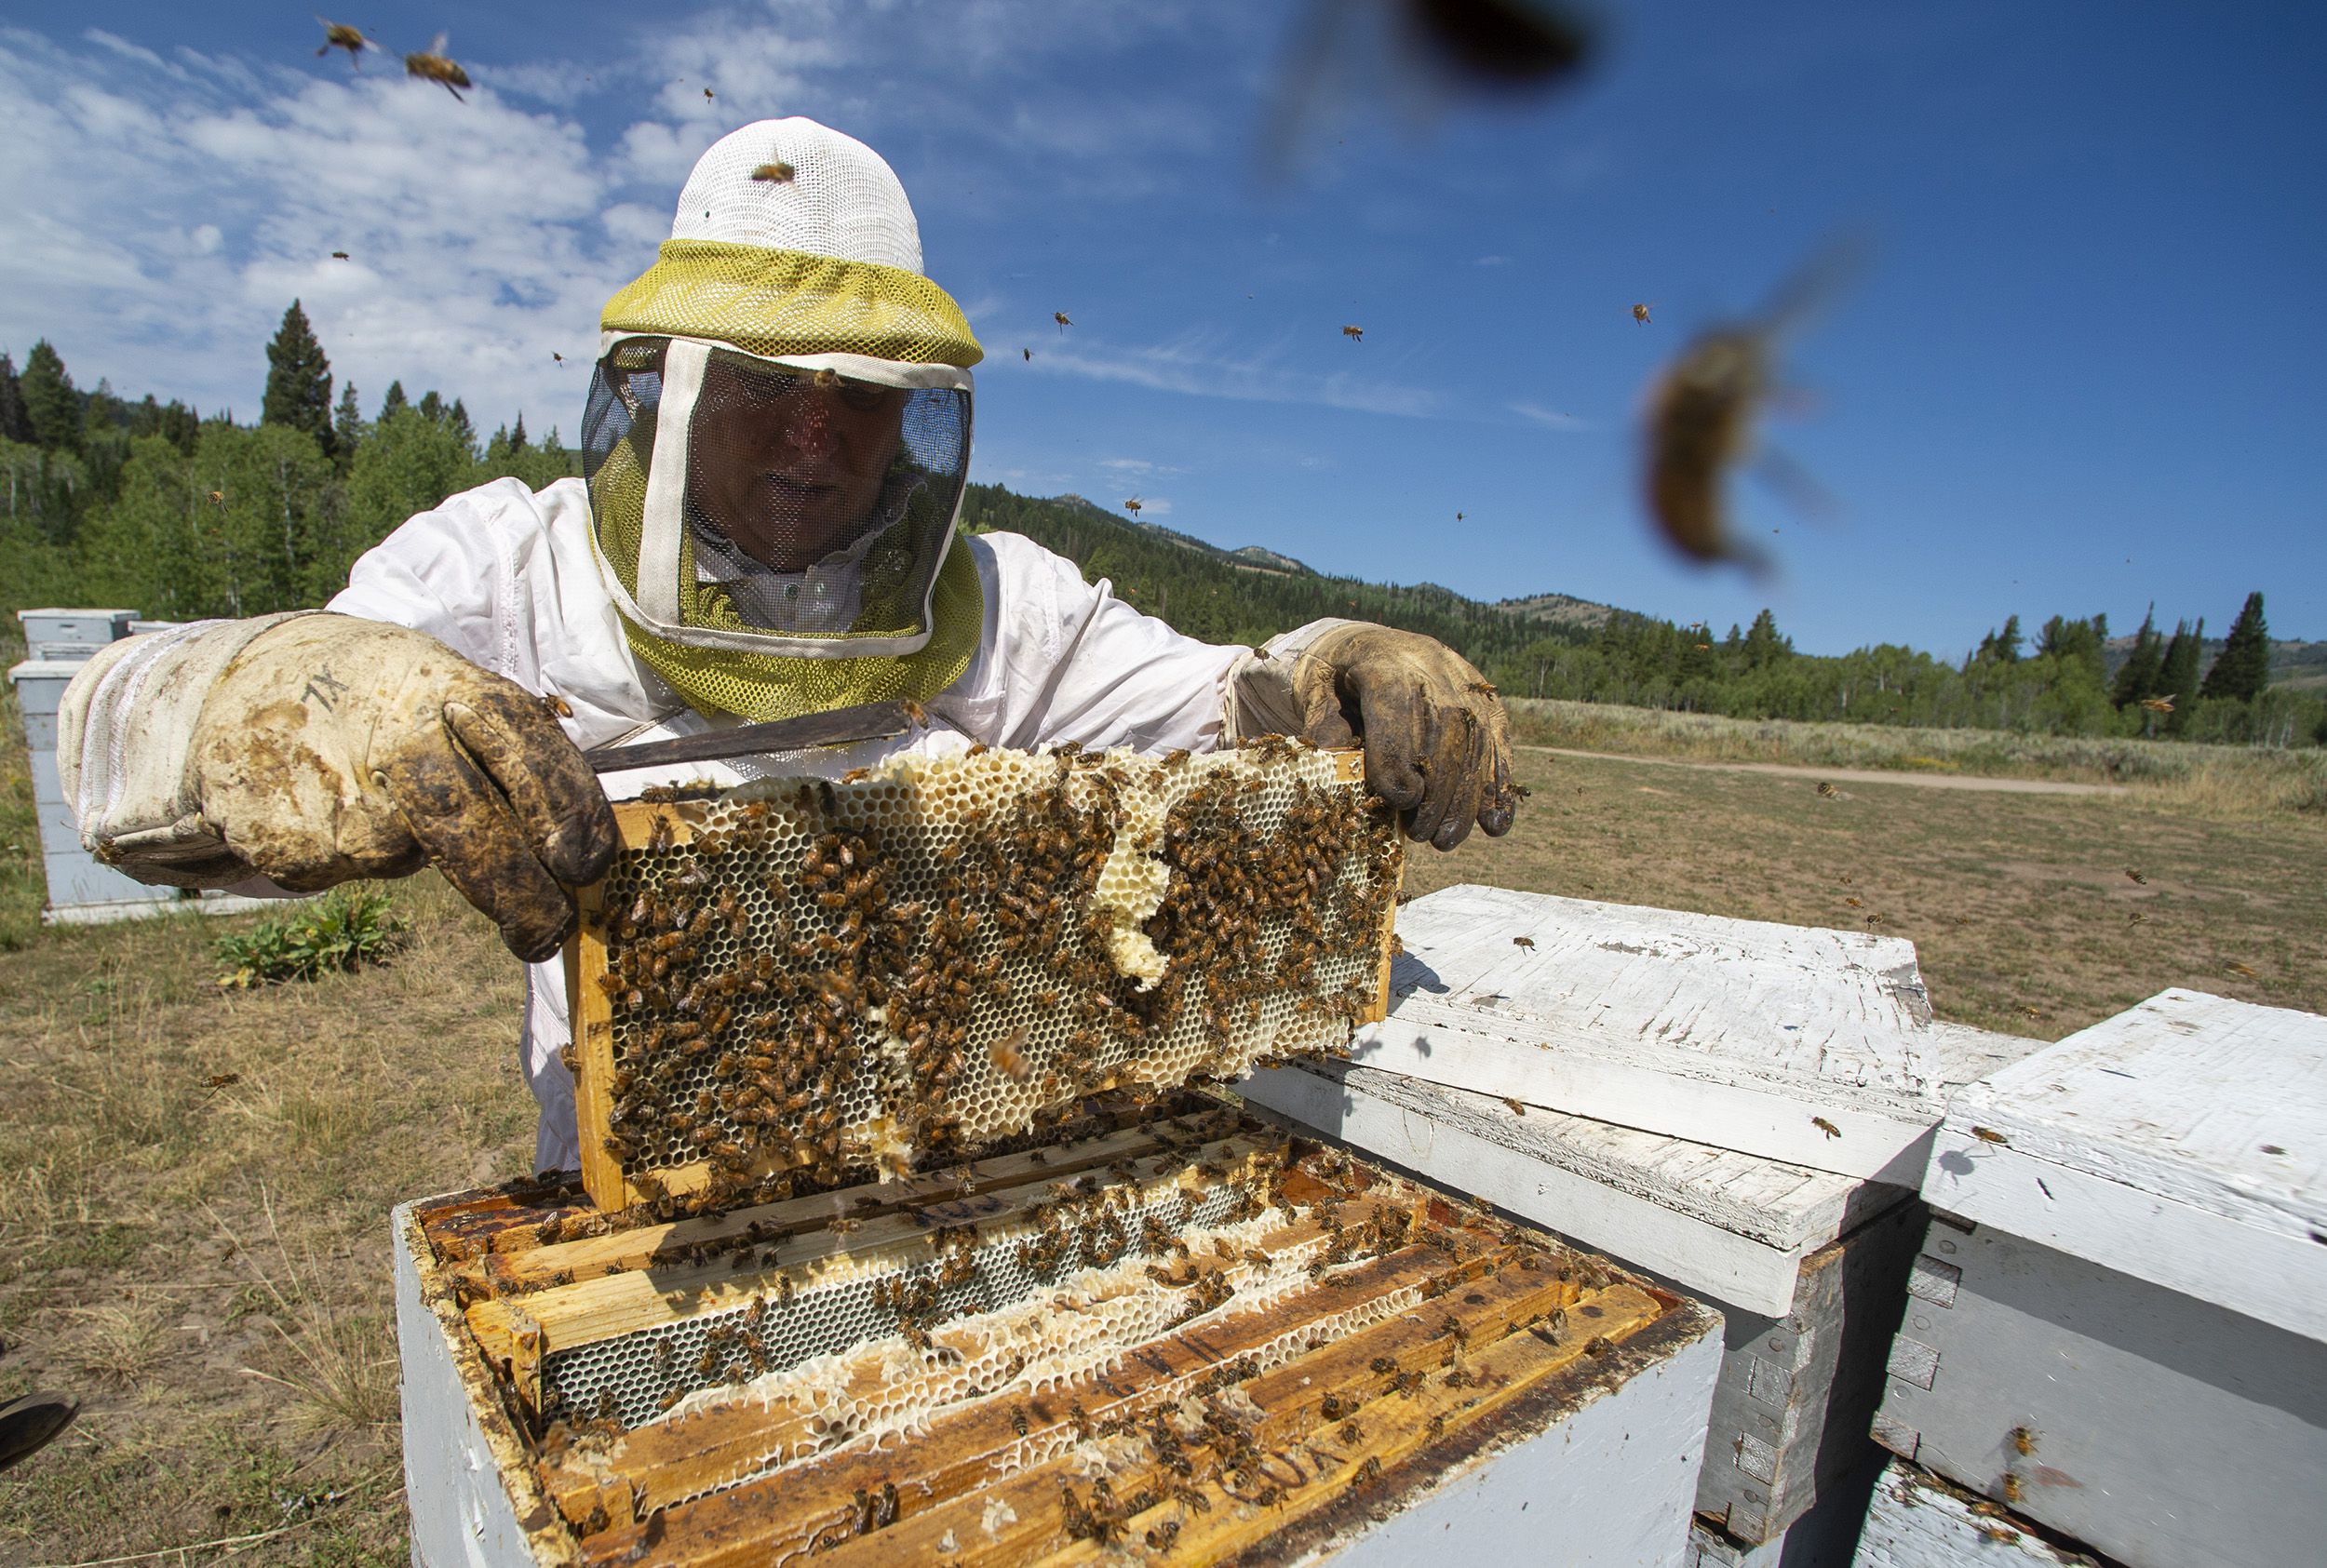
column 333, row 748
column 1437, row 739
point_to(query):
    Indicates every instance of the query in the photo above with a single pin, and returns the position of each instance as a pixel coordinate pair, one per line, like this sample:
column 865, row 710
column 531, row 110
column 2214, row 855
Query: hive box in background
column 2115, row 1324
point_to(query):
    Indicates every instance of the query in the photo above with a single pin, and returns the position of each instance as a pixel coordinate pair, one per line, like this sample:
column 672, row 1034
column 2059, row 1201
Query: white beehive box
column 1807, row 1265
column 2116, row 1325
column 1811, row 1046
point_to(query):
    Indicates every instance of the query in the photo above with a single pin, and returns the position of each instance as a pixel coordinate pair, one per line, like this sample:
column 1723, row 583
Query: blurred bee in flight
column 1428, row 51
column 433, row 64
column 339, row 35
column 1701, row 413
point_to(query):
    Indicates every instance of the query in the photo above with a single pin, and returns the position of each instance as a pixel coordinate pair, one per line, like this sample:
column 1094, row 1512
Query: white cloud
column 1550, row 419
column 1197, row 364
column 1138, row 466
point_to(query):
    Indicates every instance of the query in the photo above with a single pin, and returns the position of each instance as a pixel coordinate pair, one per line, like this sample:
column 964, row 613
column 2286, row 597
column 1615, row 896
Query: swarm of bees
column 898, row 967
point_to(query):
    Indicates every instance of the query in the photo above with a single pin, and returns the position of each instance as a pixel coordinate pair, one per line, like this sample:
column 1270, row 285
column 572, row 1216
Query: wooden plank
column 704, row 1449
column 1738, row 1033
column 2177, row 1141
column 639, row 1246
column 1917, row 1522
column 1736, row 1227
column 969, row 1445
column 588, row 1310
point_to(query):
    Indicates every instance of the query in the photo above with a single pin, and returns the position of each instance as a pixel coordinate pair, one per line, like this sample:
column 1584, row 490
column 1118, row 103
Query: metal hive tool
column 911, row 965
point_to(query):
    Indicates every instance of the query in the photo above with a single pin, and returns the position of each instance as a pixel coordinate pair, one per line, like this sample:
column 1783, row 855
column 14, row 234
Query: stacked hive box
column 1809, row 1055
column 2116, row 1325
column 1176, row 1333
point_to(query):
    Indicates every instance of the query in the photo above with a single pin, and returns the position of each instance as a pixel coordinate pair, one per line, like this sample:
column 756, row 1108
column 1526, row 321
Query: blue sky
column 2082, row 372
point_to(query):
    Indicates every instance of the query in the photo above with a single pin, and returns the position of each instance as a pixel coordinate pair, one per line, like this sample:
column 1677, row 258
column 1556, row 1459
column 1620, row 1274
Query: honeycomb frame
column 1253, row 1385
column 797, row 977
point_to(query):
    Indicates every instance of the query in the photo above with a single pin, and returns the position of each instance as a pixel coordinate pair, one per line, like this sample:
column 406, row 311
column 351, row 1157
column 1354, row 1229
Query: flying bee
column 1063, row 319
column 775, row 173
column 2159, row 704
column 339, row 255
column 1989, row 1136
column 1523, row 942
column 2139, row 879
column 1133, row 506
column 218, row 499
column 708, row 96
column 1826, row 1127
column 1355, row 334
column 1826, row 789
column 1701, row 415
column 432, row 64
column 339, row 35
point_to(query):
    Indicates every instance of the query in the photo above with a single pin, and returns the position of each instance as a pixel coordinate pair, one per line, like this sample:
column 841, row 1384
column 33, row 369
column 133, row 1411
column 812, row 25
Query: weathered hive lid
column 2183, row 1142
column 1809, row 1046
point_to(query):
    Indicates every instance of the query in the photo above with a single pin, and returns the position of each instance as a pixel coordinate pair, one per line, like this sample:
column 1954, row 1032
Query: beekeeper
column 773, row 454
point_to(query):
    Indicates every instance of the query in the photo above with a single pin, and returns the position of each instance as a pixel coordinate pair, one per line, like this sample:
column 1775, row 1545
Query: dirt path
column 1854, row 775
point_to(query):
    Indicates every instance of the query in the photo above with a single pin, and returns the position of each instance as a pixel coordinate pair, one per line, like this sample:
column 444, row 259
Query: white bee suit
column 504, row 575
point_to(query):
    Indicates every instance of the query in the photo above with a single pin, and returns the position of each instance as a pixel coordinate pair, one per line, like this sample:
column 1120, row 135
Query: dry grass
column 2209, row 780
column 2019, row 905
column 209, row 1269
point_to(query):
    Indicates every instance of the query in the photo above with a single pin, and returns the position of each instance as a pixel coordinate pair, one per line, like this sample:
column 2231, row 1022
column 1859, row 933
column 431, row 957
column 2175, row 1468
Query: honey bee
column 339, row 255
column 1516, row 1108
column 708, row 96
column 1366, row 1473
column 2135, row 919
column 2011, row 1487
column 1064, row 321
column 1160, row 1539
column 339, row 35
column 2137, row 876
column 828, row 377
column 432, row 65
column 1854, row 901
column 1640, row 314
column 1989, row 1136
column 1826, row 1127
column 217, row 1081
column 557, row 705
column 1134, row 505
column 1523, row 942
column 2243, row 971
column 2159, row 704
column 1702, row 411
column 218, row 499
column 856, row 776
column 558, row 357
column 915, row 714
column 2023, row 1441
column 1826, row 789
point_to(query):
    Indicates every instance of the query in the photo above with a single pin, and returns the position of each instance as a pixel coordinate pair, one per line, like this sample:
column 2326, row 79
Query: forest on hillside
column 151, row 506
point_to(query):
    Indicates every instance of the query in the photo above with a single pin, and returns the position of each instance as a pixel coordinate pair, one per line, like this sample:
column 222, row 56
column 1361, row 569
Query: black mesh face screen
column 791, row 467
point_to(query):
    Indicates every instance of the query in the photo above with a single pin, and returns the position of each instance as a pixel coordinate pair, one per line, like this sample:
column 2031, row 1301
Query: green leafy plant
column 343, row 929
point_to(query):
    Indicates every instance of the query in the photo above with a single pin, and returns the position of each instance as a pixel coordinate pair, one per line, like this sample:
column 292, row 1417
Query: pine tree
column 2008, row 641
column 517, row 436
column 50, row 405
column 15, row 423
column 2177, row 672
column 1763, row 645
column 431, row 406
column 393, row 402
column 347, row 425
column 2242, row 668
column 298, row 380
column 456, row 419
column 2137, row 677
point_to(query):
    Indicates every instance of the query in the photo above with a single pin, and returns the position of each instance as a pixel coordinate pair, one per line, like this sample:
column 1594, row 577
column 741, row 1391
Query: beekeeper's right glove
column 333, row 748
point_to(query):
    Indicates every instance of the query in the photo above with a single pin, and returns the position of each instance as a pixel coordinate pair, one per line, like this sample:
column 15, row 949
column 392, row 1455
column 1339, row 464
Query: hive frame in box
column 1562, row 1349
column 1164, row 821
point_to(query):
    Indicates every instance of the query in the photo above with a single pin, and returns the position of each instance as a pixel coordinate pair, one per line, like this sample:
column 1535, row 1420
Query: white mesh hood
column 841, row 200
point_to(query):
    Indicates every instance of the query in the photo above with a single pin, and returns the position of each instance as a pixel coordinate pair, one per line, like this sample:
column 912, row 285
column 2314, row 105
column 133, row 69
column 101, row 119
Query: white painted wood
column 1914, row 1522
column 461, row 1515
column 1607, row 1486
column 1730, row 1225
column 1825, row 1537
column 2183, row 1142
column 1738, row 1033
column 2160, row 1428
column 1966, row 1055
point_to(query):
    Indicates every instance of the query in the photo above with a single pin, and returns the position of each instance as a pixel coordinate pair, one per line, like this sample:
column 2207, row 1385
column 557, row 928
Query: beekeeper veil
column 778, row 438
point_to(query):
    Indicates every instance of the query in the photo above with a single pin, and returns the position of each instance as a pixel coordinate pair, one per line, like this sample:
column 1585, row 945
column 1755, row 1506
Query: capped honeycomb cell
column 907, row 967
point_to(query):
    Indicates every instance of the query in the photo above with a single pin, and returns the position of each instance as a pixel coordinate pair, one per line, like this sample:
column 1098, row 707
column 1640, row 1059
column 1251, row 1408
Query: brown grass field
column 206, row 1262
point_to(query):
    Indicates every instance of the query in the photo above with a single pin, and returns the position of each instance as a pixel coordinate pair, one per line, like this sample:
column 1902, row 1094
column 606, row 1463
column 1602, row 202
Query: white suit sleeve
column 1066, row 659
